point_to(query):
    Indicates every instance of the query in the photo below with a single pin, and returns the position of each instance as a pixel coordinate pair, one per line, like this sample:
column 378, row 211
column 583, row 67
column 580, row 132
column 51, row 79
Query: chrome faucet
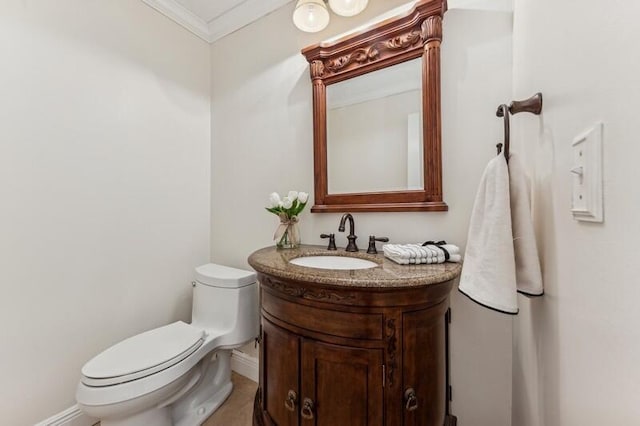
column 351, row 237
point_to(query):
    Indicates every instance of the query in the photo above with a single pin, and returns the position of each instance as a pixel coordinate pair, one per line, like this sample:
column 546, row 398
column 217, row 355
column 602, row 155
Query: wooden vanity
column 352, row 347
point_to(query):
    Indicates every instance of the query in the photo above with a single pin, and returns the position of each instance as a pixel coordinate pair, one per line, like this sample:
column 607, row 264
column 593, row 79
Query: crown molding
column 232, row 20
column 181, row 15
column 242, row 15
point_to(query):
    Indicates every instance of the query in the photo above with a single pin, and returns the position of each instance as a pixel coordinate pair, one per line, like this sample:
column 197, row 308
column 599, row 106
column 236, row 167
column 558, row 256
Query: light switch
column 586, row 197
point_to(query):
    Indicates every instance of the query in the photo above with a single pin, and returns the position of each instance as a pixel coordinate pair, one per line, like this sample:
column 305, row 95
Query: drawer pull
column 411, row 399
column 291, row 401
column 307, row 409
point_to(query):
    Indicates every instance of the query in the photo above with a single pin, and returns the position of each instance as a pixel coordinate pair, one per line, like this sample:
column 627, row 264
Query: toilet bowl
column 178, row 374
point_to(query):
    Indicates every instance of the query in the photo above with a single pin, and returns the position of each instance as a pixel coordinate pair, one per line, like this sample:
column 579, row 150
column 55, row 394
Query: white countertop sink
column 333, row 262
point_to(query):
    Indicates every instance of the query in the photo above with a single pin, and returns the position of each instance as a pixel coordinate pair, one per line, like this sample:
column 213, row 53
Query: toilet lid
column 223, row 276
column 143, row 354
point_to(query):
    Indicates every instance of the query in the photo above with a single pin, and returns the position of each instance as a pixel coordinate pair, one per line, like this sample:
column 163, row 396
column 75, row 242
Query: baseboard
column 244, row 365
column 72, row 416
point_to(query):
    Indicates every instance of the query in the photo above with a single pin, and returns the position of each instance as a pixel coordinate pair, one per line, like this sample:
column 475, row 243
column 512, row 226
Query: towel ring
column 532, row 105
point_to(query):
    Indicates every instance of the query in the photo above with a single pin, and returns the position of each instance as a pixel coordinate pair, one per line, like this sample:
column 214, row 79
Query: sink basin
column 333, row 262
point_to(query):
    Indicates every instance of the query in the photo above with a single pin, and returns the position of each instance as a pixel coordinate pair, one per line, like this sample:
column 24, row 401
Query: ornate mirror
column 376, row 115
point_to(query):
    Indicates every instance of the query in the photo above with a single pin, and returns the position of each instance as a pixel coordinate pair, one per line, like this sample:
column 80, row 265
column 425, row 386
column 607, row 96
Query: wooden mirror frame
column 417, row 33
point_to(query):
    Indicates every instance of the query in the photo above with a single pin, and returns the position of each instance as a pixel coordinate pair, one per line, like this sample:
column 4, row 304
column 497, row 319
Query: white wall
column 576, row 349
column 262, row 142
column 104, row 187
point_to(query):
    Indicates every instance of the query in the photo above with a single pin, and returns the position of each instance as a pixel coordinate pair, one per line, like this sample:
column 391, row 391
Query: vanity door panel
column 424, row 369
column 281, row 370
column 343, row 384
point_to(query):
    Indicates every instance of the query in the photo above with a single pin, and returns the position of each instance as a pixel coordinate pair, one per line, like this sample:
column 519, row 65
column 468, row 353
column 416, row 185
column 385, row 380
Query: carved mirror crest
column 376, row 115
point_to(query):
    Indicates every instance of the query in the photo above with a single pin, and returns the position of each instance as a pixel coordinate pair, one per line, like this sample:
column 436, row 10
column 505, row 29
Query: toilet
column 178, row 374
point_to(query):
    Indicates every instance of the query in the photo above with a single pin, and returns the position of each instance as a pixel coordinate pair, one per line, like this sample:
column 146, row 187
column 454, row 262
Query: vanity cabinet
column 280, row 350
column 355, row 347
column 333, row 390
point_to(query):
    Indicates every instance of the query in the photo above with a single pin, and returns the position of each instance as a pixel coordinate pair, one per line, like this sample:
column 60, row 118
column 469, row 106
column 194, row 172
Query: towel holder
column 532, row 105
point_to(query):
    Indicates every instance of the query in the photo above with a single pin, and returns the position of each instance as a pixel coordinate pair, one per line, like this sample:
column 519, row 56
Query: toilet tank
column 225, row 301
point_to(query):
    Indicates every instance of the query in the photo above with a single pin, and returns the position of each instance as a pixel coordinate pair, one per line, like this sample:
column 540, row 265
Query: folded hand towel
column 489, row 271
column 416, row 253
column 443, row 248
column 436, row 253
column 528, row 274
column 451, row 248
column 399, row 260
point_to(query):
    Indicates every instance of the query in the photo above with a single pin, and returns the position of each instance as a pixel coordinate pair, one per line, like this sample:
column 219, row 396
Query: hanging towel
column 489, row 270
column 528, row 274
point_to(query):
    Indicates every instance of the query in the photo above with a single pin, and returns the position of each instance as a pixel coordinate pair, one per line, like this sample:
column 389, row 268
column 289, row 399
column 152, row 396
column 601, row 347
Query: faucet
column 372, row 243
column 332, row 241
column 352, row 247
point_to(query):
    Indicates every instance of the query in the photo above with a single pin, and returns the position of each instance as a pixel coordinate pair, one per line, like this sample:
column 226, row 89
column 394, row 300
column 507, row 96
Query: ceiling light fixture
column 312, row 16
column 348, row 7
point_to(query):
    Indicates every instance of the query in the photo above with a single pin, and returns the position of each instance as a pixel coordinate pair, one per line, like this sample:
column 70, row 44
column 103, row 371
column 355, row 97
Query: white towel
column 501, row 257
column 406, row 254
column 528, row 274
column 489, row 270
column 436, row 252
column 451, row 248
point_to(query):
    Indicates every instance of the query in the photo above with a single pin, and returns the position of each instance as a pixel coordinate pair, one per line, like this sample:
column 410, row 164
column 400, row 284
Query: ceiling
column 214, row 19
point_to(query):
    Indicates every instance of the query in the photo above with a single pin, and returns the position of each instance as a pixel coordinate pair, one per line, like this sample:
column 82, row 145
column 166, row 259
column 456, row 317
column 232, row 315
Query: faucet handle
column 332, row 241
column 372, row 243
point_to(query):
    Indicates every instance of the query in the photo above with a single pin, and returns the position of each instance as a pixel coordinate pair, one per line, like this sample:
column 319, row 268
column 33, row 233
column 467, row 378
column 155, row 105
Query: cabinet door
column 341, row 385
column 424, row 368
column 281, row 369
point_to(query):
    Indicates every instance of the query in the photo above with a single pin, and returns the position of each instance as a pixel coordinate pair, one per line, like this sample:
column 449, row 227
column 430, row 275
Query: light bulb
column 311, row 15
column 348, row 7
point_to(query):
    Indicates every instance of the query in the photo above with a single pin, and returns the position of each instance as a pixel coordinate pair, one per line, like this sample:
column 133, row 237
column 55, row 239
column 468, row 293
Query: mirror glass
column 374, row 131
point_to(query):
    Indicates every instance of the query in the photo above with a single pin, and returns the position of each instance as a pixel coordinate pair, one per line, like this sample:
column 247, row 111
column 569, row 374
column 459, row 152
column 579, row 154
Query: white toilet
column 180, row 373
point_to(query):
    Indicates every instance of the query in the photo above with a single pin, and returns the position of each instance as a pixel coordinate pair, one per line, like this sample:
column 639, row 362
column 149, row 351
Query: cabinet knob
column 307, row 409
column 291, row 401
column 411, row 399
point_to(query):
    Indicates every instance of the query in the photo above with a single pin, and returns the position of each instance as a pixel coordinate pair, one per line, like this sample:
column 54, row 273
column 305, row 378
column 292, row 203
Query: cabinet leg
column 449, row 420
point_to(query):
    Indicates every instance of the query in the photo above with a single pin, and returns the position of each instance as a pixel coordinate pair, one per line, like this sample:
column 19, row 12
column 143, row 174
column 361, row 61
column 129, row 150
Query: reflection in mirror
column 374, row 131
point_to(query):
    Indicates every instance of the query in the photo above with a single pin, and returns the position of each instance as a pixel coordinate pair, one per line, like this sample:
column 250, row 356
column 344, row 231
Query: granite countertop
column 388, row 274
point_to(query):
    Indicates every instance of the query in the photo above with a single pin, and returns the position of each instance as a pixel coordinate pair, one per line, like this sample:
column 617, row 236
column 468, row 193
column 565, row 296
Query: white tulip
column 287, row 202
column 293, row 195
column 303, row 197
column 274, row 200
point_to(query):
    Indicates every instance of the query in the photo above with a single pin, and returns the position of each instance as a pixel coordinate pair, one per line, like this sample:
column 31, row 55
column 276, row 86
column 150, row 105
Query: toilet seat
column 143, row 355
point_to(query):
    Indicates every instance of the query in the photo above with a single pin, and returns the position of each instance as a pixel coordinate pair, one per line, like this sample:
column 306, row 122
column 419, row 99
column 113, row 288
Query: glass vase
column 287, row 235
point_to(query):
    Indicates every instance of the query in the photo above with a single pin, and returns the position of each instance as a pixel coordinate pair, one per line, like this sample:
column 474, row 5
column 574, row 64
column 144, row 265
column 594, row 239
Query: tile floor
column 237, row 410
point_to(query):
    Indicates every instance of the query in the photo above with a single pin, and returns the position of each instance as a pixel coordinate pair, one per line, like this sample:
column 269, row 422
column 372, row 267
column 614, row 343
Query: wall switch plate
column 586, row 195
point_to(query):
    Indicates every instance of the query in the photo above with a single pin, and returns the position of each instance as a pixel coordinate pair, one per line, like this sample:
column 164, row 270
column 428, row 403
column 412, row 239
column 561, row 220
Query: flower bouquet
column 287, row 209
